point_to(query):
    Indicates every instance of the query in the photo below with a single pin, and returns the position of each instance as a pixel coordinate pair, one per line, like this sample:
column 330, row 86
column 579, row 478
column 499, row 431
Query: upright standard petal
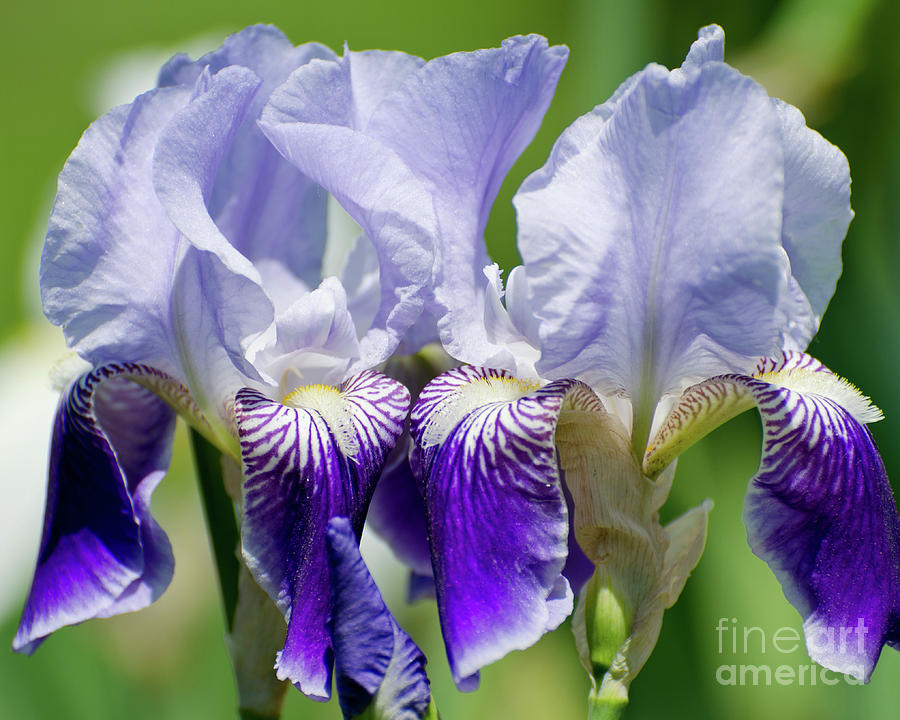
column 652, row 236
column 417, row 135
column 315, row 457
column 185, row 166
column 261, row 203
column 486, row 447
column 816, row 216
column 380, row 670
column 313, row 120
column 820, row 510
column 460, row 123
column 101, row 551
column 816, row 207
column 107, row 262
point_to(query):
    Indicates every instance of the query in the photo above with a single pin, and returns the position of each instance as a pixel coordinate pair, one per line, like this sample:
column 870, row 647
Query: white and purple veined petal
column 315, row 457
column 821, row 513
column 485, row 441
column 380, row 671
column 820, row 510
column 416, row 133
column 397, row 511
column 101, row 551
column 711, row 275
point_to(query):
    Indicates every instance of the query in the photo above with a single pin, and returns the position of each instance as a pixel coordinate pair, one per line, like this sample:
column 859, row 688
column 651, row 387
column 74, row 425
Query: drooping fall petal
column 101, row 551
column 315, row 457
column 820, row 510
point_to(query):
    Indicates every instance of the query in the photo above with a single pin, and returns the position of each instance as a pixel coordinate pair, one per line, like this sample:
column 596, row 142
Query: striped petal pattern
column 304, row 462
column 101, row 551
column 497, row 517
column 820, row 510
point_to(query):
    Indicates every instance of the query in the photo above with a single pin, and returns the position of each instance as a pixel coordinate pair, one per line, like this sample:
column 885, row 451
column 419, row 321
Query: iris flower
column 187, row 262
column 184, row 262
column 680, row 246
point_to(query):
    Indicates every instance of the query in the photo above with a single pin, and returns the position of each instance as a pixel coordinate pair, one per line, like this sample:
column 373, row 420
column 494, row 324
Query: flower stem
column 251, row 715
column 608, row 702
column 220, row 521
column 606, row 708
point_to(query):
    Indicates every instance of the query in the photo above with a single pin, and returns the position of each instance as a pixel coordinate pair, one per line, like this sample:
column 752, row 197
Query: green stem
column 608, row 702
column 606, row 708
column 220, row 521
column 251, row 715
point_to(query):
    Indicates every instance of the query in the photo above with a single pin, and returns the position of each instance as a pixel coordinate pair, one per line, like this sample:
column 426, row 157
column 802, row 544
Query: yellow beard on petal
column 828, row 385
column 328, row 401
column 474, row 394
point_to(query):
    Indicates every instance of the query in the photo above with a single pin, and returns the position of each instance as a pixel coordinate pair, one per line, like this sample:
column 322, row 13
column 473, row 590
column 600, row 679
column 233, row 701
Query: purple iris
column 184, row 261
column 194, row 260
column 678, row 233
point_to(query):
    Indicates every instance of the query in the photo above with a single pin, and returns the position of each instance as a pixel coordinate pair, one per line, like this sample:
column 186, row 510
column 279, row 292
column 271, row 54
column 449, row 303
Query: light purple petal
column 189, row 152
column 374, row 76
column 107, row 263
column 260, row 202
column 652, row 236
column 311, row 119
column 316, row 340
column 486, row 443
column 821, row 513
column 117, row 274
column 101, row 551
column 359, row 276
column 816, row 213
column 223, row 306
column 460, row 123
column 708, row 47
column 816, row 206
column 436, row 141
column 377, row 664
column 302, row 466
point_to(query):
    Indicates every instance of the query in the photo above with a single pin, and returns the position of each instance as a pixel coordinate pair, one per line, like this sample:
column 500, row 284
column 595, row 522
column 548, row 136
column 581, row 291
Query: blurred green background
column 64, row 63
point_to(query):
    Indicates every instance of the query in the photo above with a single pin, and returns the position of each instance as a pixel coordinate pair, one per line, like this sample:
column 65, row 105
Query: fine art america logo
column 743, row 644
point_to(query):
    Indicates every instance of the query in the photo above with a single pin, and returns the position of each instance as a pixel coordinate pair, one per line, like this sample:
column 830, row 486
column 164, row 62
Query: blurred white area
column 125, row 76
column 30, row 403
